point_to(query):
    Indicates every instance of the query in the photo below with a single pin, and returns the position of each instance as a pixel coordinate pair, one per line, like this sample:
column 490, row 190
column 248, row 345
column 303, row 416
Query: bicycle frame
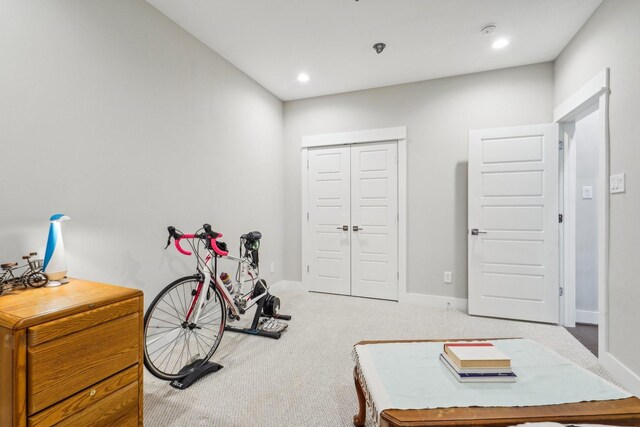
column 207, row 268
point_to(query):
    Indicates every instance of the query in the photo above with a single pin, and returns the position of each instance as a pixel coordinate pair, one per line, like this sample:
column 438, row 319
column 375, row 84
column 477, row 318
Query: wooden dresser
column 71, row 356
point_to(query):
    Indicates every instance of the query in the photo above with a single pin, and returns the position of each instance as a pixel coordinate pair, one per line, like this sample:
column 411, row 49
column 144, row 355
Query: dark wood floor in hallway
column 587, row 335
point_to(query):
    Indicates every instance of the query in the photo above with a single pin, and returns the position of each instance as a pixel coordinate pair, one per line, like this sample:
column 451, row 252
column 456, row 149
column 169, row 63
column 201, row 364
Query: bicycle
column 32, row 276
column 185, row 322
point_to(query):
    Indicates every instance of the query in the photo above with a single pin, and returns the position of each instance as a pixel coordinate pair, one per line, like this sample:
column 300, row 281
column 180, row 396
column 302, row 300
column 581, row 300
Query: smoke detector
column 488, row 29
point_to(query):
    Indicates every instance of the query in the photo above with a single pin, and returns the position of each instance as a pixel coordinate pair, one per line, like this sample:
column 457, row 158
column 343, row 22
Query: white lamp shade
column 55, row 261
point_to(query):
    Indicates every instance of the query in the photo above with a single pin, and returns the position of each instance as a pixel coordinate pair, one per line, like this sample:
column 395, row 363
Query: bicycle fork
column 198, row 303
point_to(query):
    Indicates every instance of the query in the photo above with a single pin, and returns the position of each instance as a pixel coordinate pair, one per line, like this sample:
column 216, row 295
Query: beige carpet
column 305, row 378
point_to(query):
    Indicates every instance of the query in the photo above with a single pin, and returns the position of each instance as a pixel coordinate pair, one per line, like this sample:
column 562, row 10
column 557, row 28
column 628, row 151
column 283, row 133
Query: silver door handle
column 475, row 232
column 343, row 228
column 356, row 228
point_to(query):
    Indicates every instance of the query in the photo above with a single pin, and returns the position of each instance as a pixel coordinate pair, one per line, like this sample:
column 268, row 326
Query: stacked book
column 473, row 362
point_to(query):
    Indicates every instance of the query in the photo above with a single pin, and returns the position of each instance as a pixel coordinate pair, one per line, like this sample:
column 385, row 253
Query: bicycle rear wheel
column 170, row 340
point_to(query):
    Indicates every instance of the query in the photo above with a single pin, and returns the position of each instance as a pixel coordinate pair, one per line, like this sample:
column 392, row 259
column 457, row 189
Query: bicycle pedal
column 273, row 325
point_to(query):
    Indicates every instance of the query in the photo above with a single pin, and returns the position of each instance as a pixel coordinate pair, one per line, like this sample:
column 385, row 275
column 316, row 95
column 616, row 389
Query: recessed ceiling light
column 303, row 77
column 500, row 43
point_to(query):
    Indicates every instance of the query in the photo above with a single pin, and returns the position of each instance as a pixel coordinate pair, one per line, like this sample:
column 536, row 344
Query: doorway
column 582, row 146
column 502, row 166
column 584, row 119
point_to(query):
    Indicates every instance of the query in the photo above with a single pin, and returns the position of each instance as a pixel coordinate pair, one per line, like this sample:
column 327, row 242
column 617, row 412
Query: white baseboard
column 624, row 375
column 424, row 300
column 584, row 316
column 435, row 301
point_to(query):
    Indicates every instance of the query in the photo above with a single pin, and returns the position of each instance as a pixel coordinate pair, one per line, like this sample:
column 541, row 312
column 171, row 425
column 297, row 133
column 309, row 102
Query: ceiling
column 331, row 40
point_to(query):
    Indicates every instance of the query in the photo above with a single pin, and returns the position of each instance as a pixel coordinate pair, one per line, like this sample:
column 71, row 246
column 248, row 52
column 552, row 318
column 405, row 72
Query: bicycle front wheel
column 36, row 279
column 171, row 340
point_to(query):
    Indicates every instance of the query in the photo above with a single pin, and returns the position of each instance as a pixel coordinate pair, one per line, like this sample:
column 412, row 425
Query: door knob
column 356, row 228
column 343, row 228
column 475, row 232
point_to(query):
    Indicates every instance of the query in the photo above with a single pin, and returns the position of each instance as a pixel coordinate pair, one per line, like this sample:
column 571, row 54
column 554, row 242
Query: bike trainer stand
column 253, row 330
column 191, row 374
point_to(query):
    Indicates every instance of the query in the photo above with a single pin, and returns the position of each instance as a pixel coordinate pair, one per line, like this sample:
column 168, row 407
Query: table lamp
column 55, row 262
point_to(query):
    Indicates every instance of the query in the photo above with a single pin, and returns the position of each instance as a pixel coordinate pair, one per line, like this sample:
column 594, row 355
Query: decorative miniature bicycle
column 32, row 276
column 184, row 324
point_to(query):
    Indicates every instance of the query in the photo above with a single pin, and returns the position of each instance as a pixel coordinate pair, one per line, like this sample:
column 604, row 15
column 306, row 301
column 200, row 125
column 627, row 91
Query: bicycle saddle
column 253, row 236
column 8, row 265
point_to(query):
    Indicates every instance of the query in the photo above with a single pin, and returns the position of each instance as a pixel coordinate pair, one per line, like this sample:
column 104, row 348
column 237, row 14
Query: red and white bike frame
column 205, row 266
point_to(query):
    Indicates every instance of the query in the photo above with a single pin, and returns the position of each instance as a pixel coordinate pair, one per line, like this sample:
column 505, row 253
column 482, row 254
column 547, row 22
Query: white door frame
column 398, row 134
column 595, row 92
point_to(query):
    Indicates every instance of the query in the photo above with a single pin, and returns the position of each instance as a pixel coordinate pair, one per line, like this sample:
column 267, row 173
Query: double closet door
column 353, row 220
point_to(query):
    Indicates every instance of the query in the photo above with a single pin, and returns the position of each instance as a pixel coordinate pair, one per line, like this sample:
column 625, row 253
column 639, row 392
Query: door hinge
column 307, row 163
column 561, row 291
column 560, row 145
column 560, row 218
column 307, row 268
column 307, row 216
column 398, row 275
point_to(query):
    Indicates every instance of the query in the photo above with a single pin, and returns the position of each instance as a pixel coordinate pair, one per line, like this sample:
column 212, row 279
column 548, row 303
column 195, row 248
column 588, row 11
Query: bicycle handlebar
column 208, row 234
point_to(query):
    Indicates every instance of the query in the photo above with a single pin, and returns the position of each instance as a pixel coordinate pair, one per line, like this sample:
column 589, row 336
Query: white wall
column 585, row 137
column 114, row 115
column 438, row 115
column 610, row 39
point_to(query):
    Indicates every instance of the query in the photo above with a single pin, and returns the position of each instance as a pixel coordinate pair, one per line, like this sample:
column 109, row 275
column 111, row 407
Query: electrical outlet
column 273, row 267
column 448, row 278
column 587, row 192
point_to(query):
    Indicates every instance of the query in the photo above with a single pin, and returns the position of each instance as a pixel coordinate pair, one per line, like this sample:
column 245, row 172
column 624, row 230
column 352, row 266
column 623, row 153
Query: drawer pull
column 92, row 392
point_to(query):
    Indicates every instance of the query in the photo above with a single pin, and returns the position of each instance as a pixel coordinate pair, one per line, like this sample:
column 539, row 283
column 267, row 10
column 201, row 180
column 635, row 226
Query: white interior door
column 352, row 234
column 513, row 205
column 374, row 219
column 329, row 195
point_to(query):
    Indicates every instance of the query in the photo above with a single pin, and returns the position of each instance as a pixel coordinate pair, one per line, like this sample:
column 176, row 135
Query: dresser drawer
column 45, row 332
column 85, row 399
column 119, row 409
column 64, row 366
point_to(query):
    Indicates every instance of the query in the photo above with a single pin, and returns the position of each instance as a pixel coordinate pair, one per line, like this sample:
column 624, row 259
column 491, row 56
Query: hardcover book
column 479, row 377
column 476, row 355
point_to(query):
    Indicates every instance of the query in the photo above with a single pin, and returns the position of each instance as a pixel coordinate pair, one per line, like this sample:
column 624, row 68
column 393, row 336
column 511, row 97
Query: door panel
column 329, row 204
column 513, row 201
column 374, row 211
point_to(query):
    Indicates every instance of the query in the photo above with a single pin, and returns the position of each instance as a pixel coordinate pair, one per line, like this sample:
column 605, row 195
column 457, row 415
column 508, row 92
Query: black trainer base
column 253, row 330
column 256, row 331
column 194, row 374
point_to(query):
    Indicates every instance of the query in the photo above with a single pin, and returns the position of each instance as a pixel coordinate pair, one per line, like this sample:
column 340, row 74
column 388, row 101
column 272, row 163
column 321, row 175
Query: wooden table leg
column 360, row 418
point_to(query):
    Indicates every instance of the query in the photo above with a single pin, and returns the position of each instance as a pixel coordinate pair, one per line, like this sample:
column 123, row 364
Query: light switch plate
column 617, row 183
column 587, row 192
